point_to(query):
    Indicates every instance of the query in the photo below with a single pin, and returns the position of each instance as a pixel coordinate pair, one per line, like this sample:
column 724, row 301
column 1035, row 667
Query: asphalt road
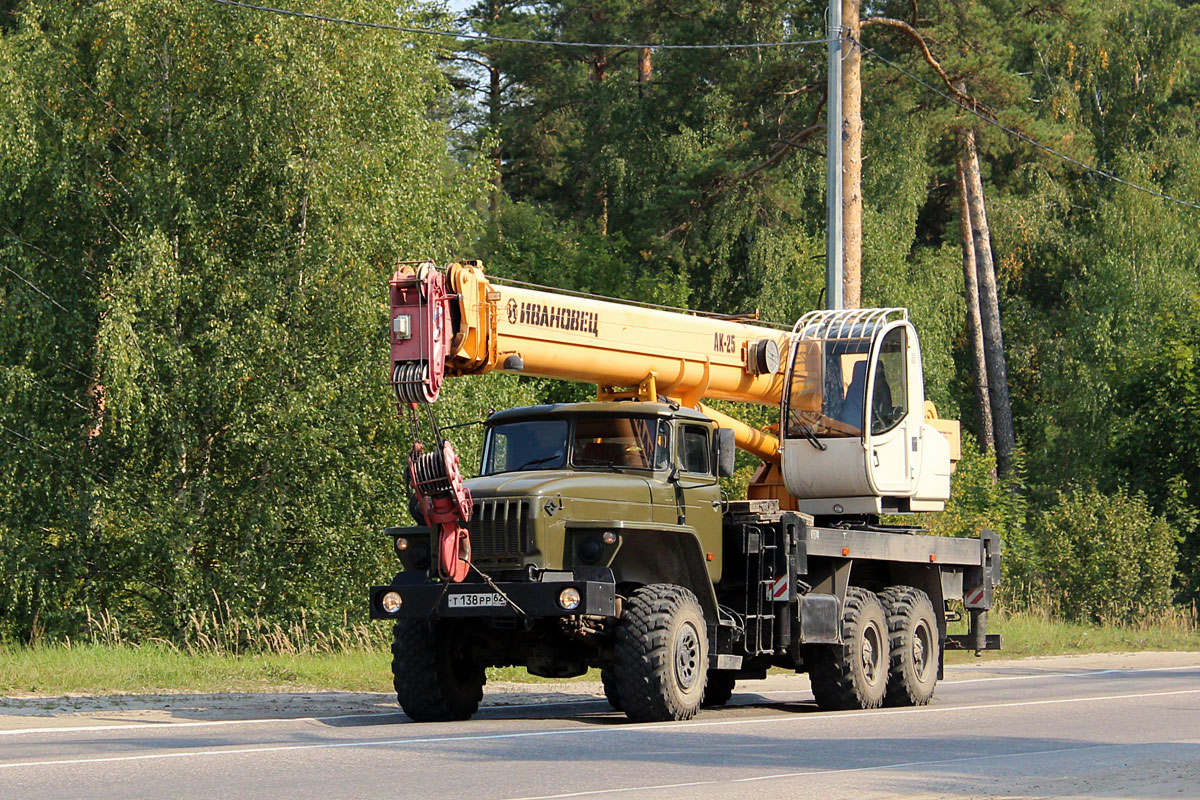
column 1016, row 731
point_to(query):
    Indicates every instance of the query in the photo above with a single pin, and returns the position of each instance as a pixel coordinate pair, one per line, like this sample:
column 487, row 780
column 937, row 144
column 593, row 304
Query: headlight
column 391, row 602
column 419, row 554
column 568, row 598
column 590, row 550
column 401, row 544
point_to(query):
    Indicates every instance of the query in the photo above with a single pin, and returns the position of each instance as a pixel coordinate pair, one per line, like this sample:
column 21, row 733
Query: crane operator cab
column 855, row 435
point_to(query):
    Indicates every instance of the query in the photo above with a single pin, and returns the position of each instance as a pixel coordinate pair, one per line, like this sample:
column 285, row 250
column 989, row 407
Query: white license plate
column 474, row 600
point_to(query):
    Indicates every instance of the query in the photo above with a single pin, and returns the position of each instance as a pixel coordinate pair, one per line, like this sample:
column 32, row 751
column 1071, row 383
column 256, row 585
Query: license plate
column 474, row 600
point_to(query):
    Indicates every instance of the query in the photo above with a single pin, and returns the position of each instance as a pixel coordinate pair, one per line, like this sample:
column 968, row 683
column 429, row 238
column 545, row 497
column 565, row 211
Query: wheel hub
column 921, row 649
column 870, row 654
column 687, row 656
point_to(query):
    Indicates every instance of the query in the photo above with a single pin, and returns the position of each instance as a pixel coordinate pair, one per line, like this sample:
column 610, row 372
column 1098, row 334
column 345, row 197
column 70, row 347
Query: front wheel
column 661, row 656
column 609, row 681
column 853, row 674
column 436, row 676
column 720, row 688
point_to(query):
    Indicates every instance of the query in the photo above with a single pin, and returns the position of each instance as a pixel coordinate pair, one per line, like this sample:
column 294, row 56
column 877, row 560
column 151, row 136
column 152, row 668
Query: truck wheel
column 853, row 674
column 719, row 688
column 436, row 677
column 661, row 654
column 913, row 631
column 609, row 680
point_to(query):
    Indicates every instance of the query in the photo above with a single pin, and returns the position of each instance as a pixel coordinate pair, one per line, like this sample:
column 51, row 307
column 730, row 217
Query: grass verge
column 157, row 668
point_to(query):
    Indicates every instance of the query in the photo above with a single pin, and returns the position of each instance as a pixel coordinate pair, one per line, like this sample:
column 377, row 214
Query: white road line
column 591, row 699
column 823, row 772
column 651, row 727
column 549, row 704
column 1189, row 668
column 134, row 726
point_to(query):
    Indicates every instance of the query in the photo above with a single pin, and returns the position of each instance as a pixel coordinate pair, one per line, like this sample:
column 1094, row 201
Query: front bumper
column 477, row 599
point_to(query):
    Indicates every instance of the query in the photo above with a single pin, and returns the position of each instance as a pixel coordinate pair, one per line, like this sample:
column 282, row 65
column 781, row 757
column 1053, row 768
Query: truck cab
column 628, row 487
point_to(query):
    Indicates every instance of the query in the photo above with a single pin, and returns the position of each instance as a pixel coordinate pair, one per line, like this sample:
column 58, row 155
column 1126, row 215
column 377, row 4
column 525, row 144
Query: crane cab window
column 889, row 396
column 634, row 442
column 694, row 453
column 827, row 389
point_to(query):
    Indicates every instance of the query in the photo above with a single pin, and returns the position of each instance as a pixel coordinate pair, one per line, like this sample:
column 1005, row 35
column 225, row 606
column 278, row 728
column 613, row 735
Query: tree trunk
column 494, row 108
column 851, row 158
column 989, row 308
column 979, row 380
column 599, row 70
column 644, row 70
column 497, row 151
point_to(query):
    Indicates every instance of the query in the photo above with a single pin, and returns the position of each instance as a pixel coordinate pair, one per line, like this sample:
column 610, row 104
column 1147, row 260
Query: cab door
column 893, row 417
column 699, row 492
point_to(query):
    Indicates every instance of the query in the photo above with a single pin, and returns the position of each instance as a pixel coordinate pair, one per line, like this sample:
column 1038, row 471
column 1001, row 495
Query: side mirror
column 726, row 452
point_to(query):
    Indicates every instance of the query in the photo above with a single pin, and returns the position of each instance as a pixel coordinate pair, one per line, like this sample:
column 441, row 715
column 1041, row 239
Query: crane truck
column 597, row 534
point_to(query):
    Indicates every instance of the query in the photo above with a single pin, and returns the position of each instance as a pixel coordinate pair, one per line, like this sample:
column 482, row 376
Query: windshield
column 517, row 446
column 621, row 442
column 640, row 443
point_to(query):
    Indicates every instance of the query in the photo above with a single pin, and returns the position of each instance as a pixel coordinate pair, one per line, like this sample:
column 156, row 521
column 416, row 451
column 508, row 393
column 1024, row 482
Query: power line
column 1022, row 136
column 34, row 286
column 483, row 37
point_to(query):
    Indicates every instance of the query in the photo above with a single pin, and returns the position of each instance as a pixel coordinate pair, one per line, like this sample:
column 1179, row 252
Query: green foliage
column 978, row 501
column 1105, row 557
column 193, row 385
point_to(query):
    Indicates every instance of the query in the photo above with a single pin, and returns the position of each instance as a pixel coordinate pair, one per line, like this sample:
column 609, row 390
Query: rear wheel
column 661, row 654
column 853, row 674
column 913, row 633
column 435, row 674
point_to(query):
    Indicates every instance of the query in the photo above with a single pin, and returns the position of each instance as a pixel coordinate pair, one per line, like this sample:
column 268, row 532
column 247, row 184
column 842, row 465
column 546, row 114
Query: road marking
column 650, row 727
column 1190, row 668
column 133, row 726
column 840, row 771
column 547, row 704
column 1044, row 676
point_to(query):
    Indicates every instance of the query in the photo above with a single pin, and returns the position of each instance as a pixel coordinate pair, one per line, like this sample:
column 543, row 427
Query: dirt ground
column 79, row 710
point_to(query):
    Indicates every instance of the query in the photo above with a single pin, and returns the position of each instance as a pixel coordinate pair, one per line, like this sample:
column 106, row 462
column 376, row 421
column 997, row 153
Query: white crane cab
column 855, row 435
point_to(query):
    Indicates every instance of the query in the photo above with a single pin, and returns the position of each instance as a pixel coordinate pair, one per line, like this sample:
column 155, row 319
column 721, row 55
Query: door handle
column 875, row 454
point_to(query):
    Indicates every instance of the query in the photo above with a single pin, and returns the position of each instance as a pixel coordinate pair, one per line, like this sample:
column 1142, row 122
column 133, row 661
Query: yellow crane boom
column 628, row 351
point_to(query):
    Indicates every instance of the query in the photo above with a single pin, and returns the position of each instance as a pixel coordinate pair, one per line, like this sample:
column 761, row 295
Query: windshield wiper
column 606, row 464
column 536, row 461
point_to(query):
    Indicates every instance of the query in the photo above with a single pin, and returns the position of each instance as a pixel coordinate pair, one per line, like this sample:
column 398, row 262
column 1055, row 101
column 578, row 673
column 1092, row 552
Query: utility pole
column 833, row 162
column 852, row 133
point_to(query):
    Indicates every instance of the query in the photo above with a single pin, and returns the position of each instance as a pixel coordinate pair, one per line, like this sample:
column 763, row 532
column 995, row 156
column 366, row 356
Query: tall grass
column 221, row 633
column 221, row 653
column 1038, row 631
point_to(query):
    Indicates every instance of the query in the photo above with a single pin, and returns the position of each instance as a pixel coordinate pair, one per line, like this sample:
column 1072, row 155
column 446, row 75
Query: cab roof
column 614, row 409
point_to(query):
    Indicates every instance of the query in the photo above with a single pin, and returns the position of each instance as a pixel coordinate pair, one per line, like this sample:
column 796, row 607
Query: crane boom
column 628, row 351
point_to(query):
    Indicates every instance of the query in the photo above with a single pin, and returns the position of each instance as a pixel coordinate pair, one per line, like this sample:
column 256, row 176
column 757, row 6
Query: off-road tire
column 661, row 654
column 719, row 688
column 609, row 681
column 853, row 674
column 434, row 674
column 915, row 649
